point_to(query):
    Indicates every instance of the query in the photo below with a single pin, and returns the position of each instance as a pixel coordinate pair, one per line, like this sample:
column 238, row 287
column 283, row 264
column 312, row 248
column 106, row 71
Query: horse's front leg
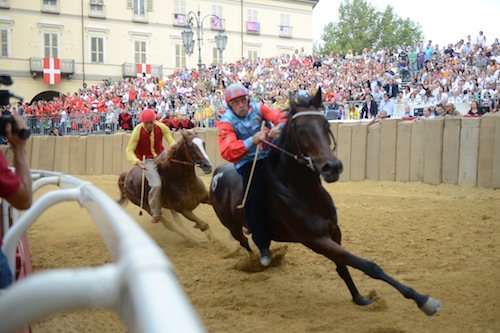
column 342, row 258
column 202, row 225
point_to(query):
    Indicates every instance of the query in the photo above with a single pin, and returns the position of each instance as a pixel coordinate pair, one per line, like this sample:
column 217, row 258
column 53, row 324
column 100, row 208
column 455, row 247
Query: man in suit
column 392, row 88
column 370, row 108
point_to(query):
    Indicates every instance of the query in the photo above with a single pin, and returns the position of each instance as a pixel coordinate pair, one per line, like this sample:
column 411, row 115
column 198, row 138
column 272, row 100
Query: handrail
column 141, row 285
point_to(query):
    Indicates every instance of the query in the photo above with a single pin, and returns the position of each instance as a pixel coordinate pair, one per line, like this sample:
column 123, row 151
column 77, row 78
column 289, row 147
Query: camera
column 4, row 120
column 5, row 96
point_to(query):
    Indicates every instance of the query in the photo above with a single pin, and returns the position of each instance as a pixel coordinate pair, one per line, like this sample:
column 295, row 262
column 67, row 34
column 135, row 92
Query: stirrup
column 265, row 257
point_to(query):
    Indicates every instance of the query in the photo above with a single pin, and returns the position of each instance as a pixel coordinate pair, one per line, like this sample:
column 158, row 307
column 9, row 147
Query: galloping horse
column 300, row 209
column 182, row 190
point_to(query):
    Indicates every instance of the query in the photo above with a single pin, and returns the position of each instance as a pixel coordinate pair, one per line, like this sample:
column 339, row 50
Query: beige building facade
column 99, row 39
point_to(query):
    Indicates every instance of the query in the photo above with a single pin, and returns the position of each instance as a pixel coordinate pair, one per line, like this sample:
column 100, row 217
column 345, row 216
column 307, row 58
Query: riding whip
column 142, row 183
column 252, row 170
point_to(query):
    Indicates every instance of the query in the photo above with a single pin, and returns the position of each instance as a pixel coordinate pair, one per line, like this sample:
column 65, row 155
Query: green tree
column 361, row 25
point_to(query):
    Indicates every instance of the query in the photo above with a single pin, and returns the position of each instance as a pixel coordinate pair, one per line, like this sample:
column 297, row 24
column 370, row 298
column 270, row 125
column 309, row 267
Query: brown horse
column 300, row 209
column 182, row 190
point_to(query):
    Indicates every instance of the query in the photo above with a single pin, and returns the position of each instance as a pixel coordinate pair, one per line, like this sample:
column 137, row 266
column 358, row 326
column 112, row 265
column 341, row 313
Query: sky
column 442, row 21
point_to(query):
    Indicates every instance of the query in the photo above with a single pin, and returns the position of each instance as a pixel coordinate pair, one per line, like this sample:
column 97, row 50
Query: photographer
column 14, row 187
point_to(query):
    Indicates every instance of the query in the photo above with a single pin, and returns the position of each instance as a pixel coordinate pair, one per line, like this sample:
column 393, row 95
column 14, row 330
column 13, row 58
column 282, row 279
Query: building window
column 180, row 7
column 50, row 6
column 216, row 56
column 252, row 24
column 252, row 55
column 50, row 45
column 140, row 7
column 140, row 52
column 180, row 56
column 4, row 40
column 97, row 50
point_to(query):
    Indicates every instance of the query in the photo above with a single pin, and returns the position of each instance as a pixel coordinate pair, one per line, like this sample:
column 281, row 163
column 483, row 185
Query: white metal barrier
column 140, row 285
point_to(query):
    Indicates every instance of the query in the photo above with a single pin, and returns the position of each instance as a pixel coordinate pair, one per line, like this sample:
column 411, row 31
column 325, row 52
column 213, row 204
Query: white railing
column 140, row 285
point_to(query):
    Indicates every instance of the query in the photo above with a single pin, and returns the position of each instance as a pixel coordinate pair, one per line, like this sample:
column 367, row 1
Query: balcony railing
column 5, row 4
column 217, row 24
column 129, row 69
column 50, row 7
column 253, row 28
column 67, row 67
column 97, row 10
column 285, row 31
column 180, row 20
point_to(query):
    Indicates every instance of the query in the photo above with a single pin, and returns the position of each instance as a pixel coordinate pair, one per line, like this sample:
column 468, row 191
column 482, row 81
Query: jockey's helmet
column 235, row 90
column 147, row 116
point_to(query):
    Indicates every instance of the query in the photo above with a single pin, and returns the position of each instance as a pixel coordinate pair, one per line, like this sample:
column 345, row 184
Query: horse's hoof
column 361, row 300
column 431, row 307
column 203, row 227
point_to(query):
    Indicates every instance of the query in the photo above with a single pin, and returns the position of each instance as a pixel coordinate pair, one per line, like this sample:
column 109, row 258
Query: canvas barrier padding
column 469, row 149
column 417, row 147
column 496, row 157
column 90, row 152
column 117, row 152
column 486, row 151
column 403, row 151
column 373, row 152
column 451, row 150
column 433, row 151
column 358, row 151
column 82, row 155
column 344, row 143
column 107, row 167
column 388, row 137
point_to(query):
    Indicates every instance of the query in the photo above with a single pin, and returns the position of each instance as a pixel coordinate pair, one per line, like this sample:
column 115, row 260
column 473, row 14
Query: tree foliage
column 361, row 25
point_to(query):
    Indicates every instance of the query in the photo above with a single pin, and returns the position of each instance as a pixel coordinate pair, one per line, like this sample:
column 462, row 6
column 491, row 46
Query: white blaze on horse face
column 199, row 143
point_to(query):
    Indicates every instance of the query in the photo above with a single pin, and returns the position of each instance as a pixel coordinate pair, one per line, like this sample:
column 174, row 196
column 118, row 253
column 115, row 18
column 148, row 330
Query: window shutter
column 130, row 5
column 150, row 6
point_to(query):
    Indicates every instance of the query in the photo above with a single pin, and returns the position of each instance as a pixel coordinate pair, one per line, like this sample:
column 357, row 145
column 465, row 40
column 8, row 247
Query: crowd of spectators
column 423, row 74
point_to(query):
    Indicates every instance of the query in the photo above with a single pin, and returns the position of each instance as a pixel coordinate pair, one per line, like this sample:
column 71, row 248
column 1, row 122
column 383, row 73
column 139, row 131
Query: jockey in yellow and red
column 146, row 143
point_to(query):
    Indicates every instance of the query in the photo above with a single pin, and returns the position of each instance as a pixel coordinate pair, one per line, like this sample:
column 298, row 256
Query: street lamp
column 187, row 36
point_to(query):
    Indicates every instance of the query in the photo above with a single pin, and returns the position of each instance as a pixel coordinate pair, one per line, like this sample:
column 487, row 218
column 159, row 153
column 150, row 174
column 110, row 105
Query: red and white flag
column 143, row 70
column 51, row 70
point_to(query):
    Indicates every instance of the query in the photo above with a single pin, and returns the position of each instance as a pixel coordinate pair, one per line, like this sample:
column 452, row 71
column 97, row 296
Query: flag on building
column 51, row 70
column 143, row 70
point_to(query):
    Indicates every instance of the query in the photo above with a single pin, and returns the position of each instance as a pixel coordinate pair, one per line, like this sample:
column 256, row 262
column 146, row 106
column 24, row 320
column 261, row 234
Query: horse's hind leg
column 202, row 225
column 342, row 257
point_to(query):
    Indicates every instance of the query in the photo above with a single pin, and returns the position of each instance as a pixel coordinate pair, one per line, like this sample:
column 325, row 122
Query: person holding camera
column 14, row 187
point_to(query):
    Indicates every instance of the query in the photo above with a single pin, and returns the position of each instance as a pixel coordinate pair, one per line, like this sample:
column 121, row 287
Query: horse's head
column 196, row 150
column 308, row 136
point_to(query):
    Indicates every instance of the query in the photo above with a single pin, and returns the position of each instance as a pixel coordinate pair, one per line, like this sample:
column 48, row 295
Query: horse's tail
column 121, row 185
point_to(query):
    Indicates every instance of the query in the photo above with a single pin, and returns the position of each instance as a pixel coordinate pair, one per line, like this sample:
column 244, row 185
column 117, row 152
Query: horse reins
column 300, row 157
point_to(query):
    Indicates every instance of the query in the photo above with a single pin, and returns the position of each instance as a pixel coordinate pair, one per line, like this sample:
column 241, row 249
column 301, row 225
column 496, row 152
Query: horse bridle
column 185, row 144
column 301, row 157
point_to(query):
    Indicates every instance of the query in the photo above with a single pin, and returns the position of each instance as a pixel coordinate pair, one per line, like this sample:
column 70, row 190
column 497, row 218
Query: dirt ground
column 441, row 240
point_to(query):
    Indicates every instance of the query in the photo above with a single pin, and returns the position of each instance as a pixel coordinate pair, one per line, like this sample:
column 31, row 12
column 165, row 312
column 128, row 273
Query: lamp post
column 187, row 36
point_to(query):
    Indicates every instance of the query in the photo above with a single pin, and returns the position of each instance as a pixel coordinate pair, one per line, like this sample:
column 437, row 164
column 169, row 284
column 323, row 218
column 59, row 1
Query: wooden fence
column 462, row 151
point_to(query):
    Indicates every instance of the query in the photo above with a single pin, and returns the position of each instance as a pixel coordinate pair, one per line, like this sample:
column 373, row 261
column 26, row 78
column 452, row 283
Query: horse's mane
column 165, row 161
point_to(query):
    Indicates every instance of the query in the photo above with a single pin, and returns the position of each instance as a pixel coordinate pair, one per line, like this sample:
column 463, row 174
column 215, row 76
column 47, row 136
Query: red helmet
column 235, row 90
column 147, row 115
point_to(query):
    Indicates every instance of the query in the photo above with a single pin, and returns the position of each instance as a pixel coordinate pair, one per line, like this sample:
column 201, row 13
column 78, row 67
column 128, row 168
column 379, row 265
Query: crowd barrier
column 463, row 151
column 140, row 284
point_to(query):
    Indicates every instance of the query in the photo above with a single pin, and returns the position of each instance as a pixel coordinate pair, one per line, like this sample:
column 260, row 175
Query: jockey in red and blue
column 239, row 134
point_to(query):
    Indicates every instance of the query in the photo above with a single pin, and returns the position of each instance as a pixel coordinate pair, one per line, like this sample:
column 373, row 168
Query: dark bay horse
column 182, row 190
column 300, row 209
